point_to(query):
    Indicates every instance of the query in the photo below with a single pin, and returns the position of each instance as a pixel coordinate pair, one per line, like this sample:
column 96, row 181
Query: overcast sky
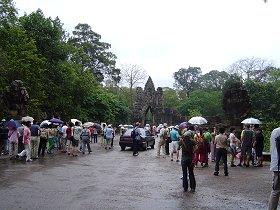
column 162, row 36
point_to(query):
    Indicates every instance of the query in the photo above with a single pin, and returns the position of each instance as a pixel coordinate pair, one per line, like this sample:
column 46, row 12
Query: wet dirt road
column 117, row 180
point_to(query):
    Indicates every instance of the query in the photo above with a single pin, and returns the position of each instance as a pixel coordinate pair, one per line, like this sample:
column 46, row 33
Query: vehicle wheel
column 122, row 148
column 153, row 146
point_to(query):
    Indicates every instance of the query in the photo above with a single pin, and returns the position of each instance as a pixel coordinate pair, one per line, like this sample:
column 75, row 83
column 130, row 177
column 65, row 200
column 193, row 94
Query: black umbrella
column 96, row 125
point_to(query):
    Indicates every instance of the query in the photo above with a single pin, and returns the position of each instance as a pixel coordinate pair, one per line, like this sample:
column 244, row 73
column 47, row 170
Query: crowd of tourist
column 33, row 141
column 197, row 143
column 200, row 144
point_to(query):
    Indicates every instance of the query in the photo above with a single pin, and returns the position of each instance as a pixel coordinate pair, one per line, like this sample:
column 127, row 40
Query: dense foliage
column 63, row 75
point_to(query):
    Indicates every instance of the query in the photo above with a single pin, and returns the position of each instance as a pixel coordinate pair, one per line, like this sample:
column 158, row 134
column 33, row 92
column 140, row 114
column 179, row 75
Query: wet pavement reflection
column 117, row 180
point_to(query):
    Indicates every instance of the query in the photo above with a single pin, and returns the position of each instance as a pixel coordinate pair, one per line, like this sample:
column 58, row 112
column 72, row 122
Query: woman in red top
column 69, row 137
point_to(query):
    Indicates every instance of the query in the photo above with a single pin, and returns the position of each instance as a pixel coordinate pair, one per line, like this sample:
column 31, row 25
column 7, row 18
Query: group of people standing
column 22, row 141
column 205, row 142
column 32, row 140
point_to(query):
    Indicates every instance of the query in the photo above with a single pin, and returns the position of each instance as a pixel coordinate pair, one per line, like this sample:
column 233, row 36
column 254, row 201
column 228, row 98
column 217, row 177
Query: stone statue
column 236, row 103
column 14, row 99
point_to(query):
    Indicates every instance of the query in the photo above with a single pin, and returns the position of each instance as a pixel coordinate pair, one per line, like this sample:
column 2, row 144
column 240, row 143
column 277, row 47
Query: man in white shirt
column 163, row 134
column 64, row 138
column 275, row 192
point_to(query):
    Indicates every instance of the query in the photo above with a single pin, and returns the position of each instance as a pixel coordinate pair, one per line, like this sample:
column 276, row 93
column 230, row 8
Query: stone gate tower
column 151, row 100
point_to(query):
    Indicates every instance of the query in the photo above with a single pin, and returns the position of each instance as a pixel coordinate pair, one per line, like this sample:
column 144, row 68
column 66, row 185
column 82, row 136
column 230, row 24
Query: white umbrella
column 75, row 120
column 197, row 120
column 251, row 121
column 88, row 124
column 45, row 122
column 27, row 118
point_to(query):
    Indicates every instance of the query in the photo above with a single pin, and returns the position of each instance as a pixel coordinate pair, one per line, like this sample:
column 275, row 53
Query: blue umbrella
column 55, row 120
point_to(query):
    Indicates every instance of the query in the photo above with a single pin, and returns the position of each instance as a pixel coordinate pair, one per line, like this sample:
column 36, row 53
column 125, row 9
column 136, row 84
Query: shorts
column 233, row 150
column 174, row 146
column 75, row 142
column 259, row 151
column 246, row 150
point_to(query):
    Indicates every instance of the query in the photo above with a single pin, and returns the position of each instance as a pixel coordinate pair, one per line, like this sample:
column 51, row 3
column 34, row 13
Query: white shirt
column 63, row 129
column 273, row 150
column 232, row 139
column 161, row 132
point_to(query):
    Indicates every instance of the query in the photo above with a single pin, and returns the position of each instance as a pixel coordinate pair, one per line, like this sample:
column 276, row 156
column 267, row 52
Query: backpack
column 44, row 134
column 200, row 141
column 76, row 133
column 134, row 133
column 85, row 134
column 165, row 134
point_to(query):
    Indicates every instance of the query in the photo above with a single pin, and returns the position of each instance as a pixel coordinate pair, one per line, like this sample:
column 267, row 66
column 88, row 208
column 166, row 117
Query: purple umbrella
column 55, row 120
column 13, row 124
column 182, row 124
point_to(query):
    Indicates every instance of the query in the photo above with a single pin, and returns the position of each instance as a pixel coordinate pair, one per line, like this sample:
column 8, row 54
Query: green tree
column 19, row 59
column 92, row 54
column 170, row 98
column 8, row 13
column 264, row 99
column 233, row 78
column 186, row 79
column 203, row 103
column 57, row 74
column 48, row 34
column 213, row 80
column 274, row 76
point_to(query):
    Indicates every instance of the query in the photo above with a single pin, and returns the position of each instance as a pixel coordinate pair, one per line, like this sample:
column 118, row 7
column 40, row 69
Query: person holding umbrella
column 247, row 141
column 13, row 136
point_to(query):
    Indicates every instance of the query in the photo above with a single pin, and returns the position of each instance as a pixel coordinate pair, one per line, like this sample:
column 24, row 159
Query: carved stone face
column 236, row 102
column 15, row 98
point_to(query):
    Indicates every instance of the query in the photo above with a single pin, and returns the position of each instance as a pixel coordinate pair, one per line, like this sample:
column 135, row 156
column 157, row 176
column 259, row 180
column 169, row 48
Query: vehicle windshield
column 143, row 132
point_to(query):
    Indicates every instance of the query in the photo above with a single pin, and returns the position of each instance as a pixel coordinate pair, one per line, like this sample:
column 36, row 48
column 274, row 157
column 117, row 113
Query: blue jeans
column 86, row 144
column 187, row 166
